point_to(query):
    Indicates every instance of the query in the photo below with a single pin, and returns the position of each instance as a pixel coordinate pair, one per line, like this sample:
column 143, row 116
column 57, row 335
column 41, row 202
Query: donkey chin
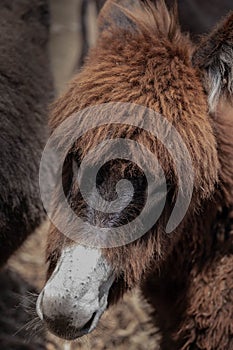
column 76, row 295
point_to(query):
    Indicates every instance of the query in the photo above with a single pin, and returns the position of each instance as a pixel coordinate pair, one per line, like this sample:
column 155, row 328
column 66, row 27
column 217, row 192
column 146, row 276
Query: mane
column 150, row 19
column 153, row 18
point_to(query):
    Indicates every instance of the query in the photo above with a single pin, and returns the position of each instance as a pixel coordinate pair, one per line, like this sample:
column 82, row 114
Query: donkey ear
column 112, row 15
column 215, row 57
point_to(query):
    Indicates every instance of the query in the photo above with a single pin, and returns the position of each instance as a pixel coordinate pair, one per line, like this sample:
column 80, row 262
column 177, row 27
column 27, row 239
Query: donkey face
column 141, row 57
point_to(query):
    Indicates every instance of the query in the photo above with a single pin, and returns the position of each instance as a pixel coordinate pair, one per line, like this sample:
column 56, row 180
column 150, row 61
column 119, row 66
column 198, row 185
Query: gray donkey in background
column 25, row 90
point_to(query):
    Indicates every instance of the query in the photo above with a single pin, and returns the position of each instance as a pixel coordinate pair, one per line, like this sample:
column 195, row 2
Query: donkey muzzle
column 76, row 295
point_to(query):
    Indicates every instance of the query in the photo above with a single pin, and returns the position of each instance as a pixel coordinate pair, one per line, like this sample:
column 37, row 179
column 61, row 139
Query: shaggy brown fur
column 25, row 91
column 195, row 16
column 142, row 57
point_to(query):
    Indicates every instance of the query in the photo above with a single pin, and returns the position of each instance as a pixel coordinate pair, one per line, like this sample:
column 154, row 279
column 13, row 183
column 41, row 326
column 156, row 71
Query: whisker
column 33, row 324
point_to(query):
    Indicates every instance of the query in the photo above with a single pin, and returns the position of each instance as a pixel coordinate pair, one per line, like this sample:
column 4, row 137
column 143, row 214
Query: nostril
column 58, row 325
column 88, row 325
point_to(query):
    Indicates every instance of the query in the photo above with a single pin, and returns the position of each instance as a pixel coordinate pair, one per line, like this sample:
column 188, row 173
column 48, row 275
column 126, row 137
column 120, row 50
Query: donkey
column 26, row 89
column 143, row 58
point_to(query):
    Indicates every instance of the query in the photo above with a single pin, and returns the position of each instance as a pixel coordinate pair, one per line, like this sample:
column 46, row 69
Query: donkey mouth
column 70, row 325
column 62, row 329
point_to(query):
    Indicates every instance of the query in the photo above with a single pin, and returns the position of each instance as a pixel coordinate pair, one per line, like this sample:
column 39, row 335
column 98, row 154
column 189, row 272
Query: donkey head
column 141, row 58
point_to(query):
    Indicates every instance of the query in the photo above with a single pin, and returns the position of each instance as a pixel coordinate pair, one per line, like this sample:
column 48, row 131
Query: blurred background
column 66, row 36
